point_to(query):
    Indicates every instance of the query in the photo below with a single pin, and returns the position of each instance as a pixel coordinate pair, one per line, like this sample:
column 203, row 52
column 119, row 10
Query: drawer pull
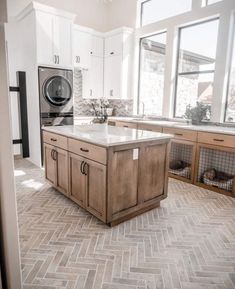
column 84, row 150
column 220, row 140
column 126, row 126
column 178, row 134
column 53, row 139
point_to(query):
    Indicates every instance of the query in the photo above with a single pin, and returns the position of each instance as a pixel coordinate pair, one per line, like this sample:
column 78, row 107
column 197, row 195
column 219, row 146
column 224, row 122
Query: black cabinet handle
column 82, row 167
column 220, row 140
column 112, row 53
column 84, row 150
column 55, row 155
column 85, row 169
column 53, row 139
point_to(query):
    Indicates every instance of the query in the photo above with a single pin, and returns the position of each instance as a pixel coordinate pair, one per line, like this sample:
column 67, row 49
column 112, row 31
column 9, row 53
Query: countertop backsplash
column 81, row 107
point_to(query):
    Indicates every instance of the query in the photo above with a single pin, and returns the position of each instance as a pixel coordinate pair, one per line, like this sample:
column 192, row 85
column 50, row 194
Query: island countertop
column 105, row 135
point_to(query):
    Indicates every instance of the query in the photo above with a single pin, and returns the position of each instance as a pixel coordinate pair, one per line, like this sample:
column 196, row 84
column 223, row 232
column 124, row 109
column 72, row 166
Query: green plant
column 198, row 113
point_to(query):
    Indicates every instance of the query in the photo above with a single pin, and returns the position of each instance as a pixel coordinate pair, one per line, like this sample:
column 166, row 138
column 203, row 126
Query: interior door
column 77, row 180
column 50, row 163
column 62, row 170
column 96, row 189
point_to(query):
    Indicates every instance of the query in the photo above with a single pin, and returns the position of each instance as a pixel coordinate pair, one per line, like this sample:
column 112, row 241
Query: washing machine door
column 57, row 90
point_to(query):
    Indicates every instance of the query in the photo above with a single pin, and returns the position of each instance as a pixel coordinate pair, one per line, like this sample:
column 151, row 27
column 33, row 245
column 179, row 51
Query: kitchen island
column 114, row 173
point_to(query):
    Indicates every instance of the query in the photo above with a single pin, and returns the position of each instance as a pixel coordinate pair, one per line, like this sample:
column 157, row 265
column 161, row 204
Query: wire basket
column 181, row 154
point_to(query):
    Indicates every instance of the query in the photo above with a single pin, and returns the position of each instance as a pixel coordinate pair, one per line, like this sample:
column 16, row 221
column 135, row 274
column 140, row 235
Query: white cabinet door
column 97, row 47
column 92, row 85
column 45, row 45
column 113, row 77
column 114, row 45
column 62, row 39
column 82, row 49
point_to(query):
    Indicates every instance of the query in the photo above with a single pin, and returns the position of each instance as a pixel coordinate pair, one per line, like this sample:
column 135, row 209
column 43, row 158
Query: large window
column 196, row 65
column 230, row 109
column 152, row 68
column 155, row 10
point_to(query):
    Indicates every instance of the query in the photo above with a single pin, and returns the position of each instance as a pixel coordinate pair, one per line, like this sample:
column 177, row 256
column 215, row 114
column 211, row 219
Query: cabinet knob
column 112, row 53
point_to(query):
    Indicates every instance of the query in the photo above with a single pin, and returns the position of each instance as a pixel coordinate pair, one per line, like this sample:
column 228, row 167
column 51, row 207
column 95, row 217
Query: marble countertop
column 173, row 124
column 105, row 135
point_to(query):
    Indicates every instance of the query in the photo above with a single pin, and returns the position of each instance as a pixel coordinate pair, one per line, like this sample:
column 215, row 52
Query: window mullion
column 222, row 67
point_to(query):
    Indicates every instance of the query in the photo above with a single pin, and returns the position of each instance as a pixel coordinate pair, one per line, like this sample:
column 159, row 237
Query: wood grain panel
column 217, row 139
column 150, row 127
column 124, row 181
column 152, row 172
column 62, row 171
column 87, row 150
column 55, row 140
column 180, row 133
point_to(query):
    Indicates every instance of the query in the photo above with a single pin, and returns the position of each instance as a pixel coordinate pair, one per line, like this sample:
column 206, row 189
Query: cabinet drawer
column 217, row 139
column 55, row 140
column 126, row 124
column 150, row 127
column 87, row 150
column 181, row 133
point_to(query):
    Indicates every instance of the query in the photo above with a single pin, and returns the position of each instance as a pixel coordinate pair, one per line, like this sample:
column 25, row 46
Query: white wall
column 90, row 13
column 121, row 13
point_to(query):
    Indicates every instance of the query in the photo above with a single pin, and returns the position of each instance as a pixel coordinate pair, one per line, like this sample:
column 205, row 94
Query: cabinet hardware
column 78, row 59
column 58, row 59
column 220, row 140
column 125, row 126
column 52, row 154
column 55, row 155
column 84, row 150
column 85, row 169
column 82, row 167
column 112, row 53
column 111, row 92
column 179, row 134
column 91, row 92
column 53, row 139
column 55, row 59
column 91, row 52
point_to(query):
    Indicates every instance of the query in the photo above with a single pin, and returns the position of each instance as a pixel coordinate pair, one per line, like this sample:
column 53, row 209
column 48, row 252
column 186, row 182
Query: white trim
column 44, row 8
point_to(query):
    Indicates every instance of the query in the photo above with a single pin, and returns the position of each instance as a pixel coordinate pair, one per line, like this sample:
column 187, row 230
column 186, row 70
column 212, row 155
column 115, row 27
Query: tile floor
column 187, row 243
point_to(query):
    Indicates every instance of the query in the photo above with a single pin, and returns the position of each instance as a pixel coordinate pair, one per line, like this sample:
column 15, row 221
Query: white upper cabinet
column 82, row 43
column 97, row 47
column 117, row 63
column 54, row 36
column 114, row 45
column 93, row 79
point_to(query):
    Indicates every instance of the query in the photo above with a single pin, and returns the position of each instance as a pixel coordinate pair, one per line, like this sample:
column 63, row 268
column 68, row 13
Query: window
column 230, row 109
column 155, row 10
column 152, row 68
column 196, row 65
column 209, row 2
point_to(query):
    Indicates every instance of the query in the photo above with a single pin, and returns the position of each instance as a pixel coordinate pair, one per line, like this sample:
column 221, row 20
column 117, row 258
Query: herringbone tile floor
column 187, row 243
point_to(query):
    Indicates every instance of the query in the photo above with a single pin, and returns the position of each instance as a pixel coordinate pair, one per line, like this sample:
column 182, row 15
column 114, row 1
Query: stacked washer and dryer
column 56, row 96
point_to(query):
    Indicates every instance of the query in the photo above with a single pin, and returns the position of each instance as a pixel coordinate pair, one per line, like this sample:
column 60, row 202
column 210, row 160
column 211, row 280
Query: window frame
column 177, row 73
column 229, row 73
column 140, row 61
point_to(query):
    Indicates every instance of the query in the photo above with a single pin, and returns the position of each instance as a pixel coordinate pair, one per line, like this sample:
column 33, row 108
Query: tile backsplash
column 81, row 106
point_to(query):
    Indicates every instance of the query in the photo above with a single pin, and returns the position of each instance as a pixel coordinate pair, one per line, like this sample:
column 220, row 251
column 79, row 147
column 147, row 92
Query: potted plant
column 197, row 113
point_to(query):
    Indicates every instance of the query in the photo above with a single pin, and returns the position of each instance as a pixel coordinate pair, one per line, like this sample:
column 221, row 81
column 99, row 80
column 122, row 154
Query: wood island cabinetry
column 113, row 183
